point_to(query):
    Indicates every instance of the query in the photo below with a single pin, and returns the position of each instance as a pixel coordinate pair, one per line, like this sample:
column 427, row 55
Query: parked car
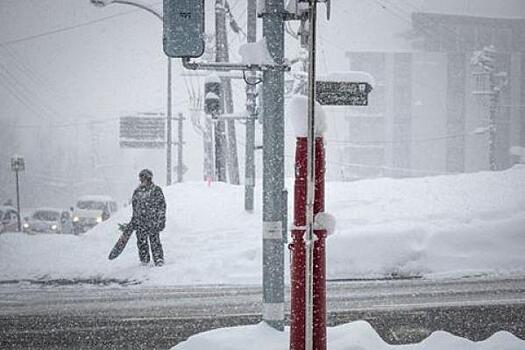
column 48, row 220
column 91, row 210
column 8, row 219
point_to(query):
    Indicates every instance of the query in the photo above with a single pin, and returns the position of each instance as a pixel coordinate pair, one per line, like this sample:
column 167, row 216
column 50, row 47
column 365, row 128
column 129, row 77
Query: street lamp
column 103, row 3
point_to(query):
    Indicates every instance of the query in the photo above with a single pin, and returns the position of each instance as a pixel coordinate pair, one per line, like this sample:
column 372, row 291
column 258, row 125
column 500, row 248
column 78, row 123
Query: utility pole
column 222, row 55
column 251, row 107
column 219, row 127
column 180, row 143
column 497, row 81
column 168, row 128
column 274, row 210
column 274, row 197
column 494, row 98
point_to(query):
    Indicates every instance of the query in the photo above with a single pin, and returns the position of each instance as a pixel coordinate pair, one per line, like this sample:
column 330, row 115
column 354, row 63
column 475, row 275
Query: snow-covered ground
column 435, row 227
column 353, row 336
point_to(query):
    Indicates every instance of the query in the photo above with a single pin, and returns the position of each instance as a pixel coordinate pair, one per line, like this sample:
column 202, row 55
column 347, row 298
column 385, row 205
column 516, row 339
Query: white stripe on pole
column 272, row 230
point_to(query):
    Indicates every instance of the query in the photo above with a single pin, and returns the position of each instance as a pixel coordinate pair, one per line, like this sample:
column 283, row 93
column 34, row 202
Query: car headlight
column 76, row 219
column 54, row 227
column 99, row 219
column 26, row 225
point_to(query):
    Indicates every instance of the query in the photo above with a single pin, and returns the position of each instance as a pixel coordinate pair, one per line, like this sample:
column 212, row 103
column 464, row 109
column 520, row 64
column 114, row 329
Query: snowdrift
column 357, row 335
column 435, row 227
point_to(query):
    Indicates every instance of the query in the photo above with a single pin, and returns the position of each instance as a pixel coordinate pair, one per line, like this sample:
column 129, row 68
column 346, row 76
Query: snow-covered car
column 48, row 220
column 8, row 219
column 91, row 210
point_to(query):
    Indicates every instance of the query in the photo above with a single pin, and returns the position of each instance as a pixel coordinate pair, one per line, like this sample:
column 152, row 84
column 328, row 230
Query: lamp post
column 103, row 3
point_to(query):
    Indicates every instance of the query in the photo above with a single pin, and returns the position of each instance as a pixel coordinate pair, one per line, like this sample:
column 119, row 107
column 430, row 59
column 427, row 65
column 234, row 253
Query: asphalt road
column 136, row 317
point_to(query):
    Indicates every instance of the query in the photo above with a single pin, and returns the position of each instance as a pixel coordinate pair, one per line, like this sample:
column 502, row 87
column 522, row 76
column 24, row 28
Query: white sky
column 111, row 59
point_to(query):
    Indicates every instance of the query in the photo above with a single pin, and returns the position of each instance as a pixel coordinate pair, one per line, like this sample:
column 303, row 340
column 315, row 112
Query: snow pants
column 156, row 247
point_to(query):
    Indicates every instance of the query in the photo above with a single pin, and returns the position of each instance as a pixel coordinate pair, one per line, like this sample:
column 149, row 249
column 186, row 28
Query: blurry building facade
column 423, row 117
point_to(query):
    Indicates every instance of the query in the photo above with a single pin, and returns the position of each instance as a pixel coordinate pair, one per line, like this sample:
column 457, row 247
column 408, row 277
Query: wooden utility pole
column 222, row 55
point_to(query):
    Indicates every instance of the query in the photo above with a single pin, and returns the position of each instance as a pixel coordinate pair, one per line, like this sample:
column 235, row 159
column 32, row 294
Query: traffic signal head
column 213, row 95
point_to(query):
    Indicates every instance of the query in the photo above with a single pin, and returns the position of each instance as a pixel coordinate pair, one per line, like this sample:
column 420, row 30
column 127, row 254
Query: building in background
column 423, row 118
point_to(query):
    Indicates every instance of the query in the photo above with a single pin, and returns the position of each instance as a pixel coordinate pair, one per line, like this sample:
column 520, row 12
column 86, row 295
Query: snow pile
column 297, row 111
column 208, row 239
column 443, row 226
column 349, row 76
column 357, row 335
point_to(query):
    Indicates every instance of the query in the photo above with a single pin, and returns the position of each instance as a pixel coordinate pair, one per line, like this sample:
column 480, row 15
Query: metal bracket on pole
column 226, row 66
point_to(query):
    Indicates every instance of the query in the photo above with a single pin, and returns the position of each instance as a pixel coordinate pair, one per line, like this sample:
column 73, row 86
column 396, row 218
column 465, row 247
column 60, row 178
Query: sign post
column 17, row 165
column 310, row 181
column 308, row 299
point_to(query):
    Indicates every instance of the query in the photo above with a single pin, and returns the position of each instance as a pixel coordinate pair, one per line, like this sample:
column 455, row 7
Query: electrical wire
column 12, row 85
column 368, row 166
column 48, row 111
column 70, row 124
column 64, row 29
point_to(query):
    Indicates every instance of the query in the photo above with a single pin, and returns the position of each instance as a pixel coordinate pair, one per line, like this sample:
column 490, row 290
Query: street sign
column 143, row 131
column 183, row 28
column 18, row 164
column 342, row 93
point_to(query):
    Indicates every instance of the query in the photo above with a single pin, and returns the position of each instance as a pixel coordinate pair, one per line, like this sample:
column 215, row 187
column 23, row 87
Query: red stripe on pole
column 298, row 252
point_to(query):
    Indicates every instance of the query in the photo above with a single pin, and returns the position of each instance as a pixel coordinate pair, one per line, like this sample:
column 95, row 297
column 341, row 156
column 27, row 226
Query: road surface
column 79, row 316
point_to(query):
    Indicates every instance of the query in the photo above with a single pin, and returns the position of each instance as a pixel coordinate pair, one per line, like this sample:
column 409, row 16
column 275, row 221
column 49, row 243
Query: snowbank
column 357, row 335
column 437, row 227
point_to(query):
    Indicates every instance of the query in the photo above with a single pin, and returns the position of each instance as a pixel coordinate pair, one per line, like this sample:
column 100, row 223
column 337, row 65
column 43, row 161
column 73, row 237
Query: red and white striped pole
column 298, row 251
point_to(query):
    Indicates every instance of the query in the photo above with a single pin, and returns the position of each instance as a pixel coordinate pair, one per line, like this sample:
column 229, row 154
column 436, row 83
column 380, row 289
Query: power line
column 64, row 29
column 48, row 111
column 69, row 124
column 406, row 15
column 16, row 89
column 382, row 167
column 368, row 166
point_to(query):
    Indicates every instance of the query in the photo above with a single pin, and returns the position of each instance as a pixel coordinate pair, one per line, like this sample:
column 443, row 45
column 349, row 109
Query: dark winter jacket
column 149, row 208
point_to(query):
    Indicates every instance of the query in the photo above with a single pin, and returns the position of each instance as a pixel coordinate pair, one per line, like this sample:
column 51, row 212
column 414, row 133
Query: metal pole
column 273, row 169
column 168, row 128
column 219, row 125
column 492, row 122
column 310, row 182
column 18, row 202
column 180, row 163
column 136, row 4
column 251, row 103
